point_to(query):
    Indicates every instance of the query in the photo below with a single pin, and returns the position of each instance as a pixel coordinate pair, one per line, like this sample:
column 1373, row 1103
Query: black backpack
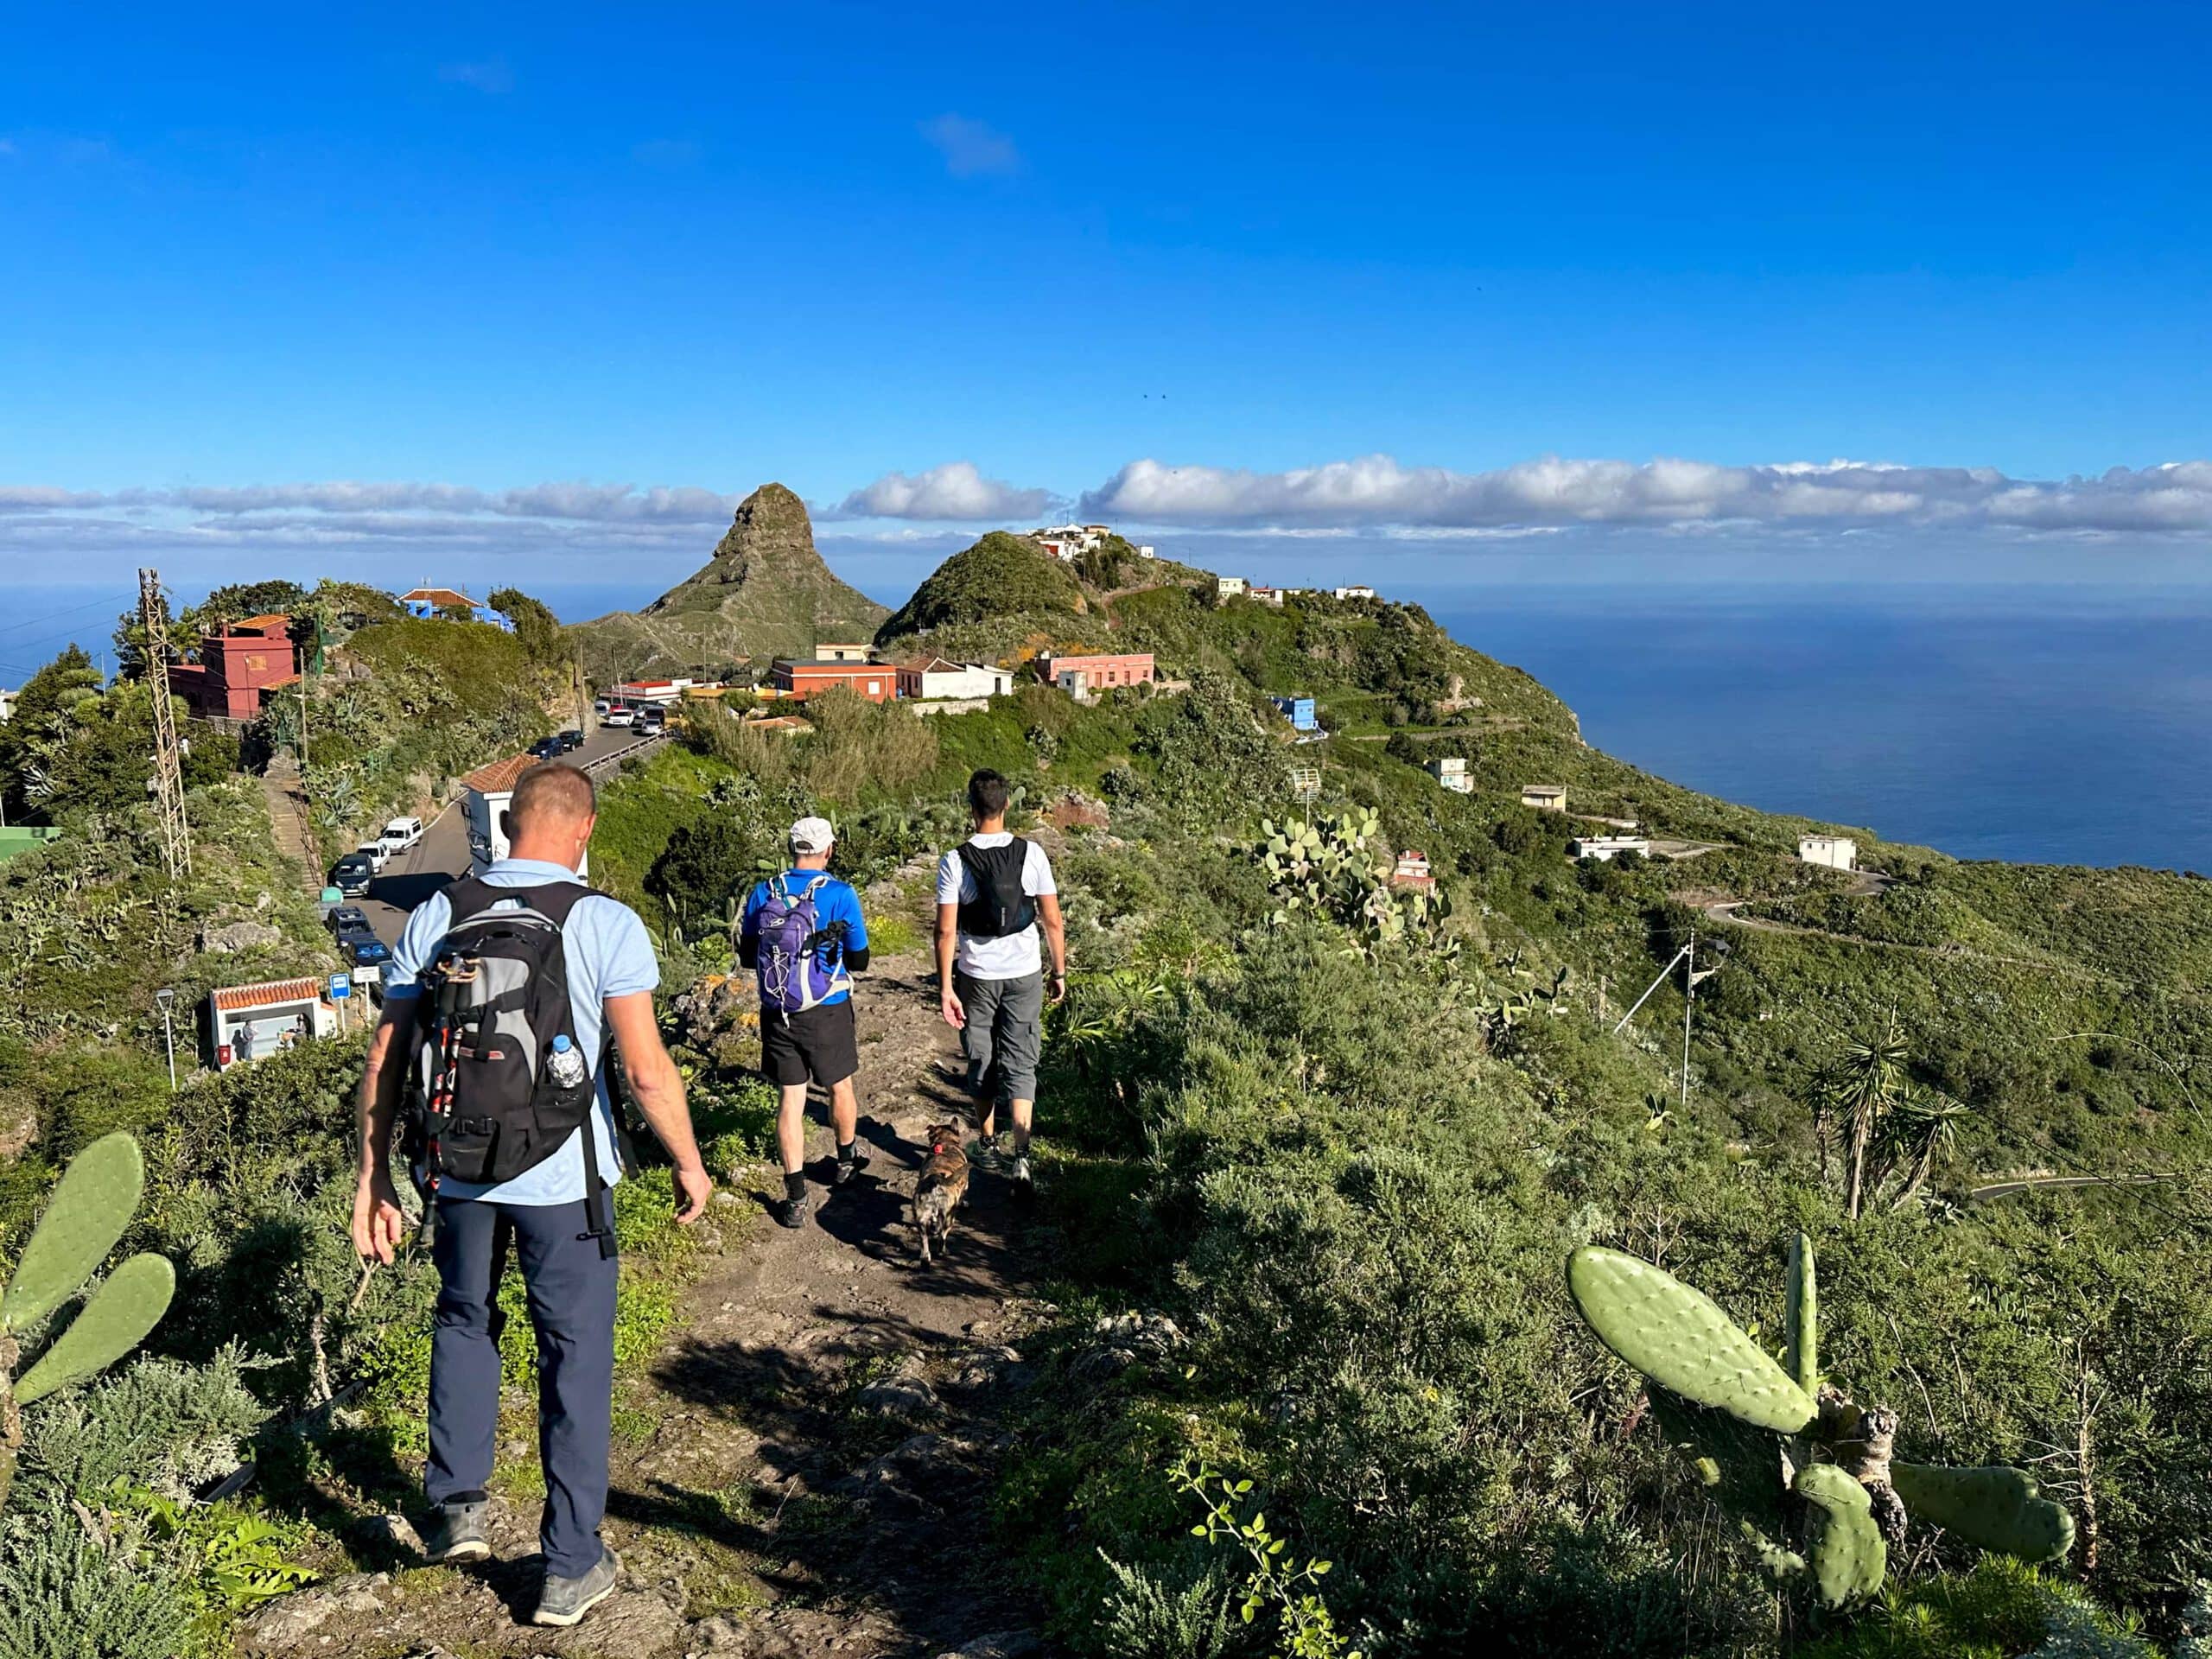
column 491, row 1097
column 999, row 907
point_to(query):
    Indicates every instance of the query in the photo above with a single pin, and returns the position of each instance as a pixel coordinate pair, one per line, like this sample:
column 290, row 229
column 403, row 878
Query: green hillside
column 766, row 593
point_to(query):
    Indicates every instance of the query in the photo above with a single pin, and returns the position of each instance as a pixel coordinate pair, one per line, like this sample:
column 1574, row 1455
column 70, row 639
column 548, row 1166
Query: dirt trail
column 806, row 1465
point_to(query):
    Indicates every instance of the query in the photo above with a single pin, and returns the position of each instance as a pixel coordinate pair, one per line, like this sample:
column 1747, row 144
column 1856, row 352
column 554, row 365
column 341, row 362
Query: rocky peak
column 771, row 531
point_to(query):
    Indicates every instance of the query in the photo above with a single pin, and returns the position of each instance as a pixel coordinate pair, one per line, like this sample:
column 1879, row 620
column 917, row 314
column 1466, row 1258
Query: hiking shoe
column 1022, row 1179
column 790, row 1212
column 848, row 1168
column 564, row 1601
column 458, row 1535
column 987, row 1156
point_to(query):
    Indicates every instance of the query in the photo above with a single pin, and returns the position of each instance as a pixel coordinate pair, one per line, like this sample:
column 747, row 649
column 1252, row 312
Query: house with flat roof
column 1084, row 677
column 877, row 681
column 1450, row 772
column 1606, row 848
column 1412, row 871
column 845, row 653
column 1355, row 590
column 1544, row 797
column 1300, row 712
column 1834, row 852
column 1229, row 586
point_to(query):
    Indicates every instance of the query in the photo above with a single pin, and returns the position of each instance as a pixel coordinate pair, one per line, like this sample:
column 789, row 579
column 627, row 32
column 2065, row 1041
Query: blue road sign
column 340, row 987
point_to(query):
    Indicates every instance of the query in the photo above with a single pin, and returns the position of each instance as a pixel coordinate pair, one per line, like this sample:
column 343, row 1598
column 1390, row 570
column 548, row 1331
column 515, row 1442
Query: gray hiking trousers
column 1004, row 1035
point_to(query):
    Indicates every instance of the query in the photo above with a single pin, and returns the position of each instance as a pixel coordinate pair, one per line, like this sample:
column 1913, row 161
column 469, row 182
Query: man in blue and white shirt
column 612, row 973
column 818, row 1043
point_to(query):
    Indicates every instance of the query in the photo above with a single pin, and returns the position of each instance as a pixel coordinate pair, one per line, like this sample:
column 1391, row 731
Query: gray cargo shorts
column 1004, row 1035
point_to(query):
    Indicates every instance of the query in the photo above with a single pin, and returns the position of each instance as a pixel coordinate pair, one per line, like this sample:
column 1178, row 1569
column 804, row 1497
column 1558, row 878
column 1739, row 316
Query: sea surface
column 2049, row 723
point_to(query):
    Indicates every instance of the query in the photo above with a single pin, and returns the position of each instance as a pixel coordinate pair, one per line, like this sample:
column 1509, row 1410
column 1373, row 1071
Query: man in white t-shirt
column 995, row 895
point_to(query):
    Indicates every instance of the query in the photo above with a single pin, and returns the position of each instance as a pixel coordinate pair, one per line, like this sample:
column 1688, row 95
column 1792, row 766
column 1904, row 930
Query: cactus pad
column 1995, row 1508
column 1801, row 1319
column 1849, row 1559
column 124, row 1308
column 1677, row 1337
column 90, row 1206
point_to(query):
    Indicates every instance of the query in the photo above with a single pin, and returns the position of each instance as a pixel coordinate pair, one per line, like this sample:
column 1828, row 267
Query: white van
column 377, row 853
column 399, row 835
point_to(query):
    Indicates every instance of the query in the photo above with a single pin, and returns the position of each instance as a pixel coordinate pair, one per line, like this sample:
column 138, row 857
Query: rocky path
column 806, row 1467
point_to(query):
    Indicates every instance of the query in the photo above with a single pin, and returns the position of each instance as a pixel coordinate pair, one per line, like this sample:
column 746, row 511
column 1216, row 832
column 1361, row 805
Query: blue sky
column 1020, row 255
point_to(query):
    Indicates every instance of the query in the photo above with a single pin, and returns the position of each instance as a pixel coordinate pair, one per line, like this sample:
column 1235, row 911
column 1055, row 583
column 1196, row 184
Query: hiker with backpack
column 995, row 894
column 503, row 999
column 804, row 934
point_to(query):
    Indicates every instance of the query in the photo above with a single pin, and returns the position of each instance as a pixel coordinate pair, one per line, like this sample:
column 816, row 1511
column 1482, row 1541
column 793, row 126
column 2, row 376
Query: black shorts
column 821, row 1045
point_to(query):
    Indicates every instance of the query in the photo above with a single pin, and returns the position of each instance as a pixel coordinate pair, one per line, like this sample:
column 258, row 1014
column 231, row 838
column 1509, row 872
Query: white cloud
column 956, row 491
column 491, row 75
column 970, row 149
column 1375, row 491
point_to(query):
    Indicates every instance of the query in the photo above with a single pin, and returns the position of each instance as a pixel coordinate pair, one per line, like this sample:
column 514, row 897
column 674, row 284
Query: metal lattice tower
column 168, row 768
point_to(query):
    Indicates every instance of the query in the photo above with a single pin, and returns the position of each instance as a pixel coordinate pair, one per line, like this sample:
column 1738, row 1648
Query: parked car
column 349, row 918
column 377, row 853
column 352, row 875
column 599, row 706
column 571, row 739
column 401, row 834
column 331, row 899
column 621, row 716
column 546, row 748
column 365, row 950
column 652, row 719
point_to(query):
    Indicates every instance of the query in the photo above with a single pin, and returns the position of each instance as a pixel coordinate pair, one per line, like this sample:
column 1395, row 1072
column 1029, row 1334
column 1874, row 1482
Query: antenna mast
column 169, row 770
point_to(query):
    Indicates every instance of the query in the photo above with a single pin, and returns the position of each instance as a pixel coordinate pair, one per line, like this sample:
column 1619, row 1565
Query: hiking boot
column 790, row 1212
column 564, row 1601
column 987, row 1156
column 1022, row 1179
column 458, row 1535
column 848, row 1168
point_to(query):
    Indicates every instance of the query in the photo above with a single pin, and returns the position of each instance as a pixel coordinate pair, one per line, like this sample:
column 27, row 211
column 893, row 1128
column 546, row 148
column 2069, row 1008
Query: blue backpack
column 793, row 977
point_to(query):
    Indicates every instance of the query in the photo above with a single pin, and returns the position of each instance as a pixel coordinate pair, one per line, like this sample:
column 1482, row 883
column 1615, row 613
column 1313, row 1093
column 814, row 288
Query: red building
column 877, row 681
column 1087, row 675
column 237, row 667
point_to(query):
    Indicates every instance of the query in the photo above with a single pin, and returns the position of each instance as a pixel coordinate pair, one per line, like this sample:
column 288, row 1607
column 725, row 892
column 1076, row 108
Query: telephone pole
column 169, row 770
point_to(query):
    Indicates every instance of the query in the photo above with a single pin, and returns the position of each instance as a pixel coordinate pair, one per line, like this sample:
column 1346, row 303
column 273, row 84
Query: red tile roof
column 261, row 624
column 437, row 596
column 499, row 777
column 268, row 994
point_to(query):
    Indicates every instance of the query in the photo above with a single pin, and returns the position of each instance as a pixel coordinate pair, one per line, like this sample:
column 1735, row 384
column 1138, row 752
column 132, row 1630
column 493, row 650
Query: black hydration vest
column 999, row 907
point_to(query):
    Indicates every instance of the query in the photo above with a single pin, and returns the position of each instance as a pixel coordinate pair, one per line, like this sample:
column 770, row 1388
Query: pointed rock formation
column 766, row 593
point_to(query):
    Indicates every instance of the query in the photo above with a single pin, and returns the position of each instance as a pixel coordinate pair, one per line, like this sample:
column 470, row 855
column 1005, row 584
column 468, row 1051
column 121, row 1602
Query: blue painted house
column 1299, row 711
column 426, row 602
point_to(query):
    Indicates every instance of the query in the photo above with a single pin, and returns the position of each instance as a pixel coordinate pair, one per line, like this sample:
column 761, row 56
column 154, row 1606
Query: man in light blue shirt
column 544, row 1210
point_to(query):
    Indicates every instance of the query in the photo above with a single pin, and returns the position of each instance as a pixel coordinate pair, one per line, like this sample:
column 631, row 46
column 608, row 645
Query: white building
column 6, row 706
column 1228, row 587
column 1265, row 595
column 1146, row 551
column 1356, row 590
column 661, row 691
column 1606, row 848
column 1450, row 771
column 484, row 804
column 1066, row 542
column 1544, row 797
column 844, row 653
column 251, row 1022
column 929, row 678
column 1836, row 852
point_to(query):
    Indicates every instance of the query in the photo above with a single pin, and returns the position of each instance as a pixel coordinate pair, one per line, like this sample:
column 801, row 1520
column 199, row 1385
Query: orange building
column 1085, row 675
column 236, row 667
column 877, row 681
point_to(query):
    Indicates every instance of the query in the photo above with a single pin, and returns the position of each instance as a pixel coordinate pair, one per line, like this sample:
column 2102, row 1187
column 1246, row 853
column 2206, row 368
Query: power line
column 56, row 616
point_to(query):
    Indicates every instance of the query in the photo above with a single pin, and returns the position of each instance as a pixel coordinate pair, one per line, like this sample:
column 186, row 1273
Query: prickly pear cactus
column 1993, row 1507
column 1676, row 1337
column 1848, row 1557
column 91, row 1205
column 1800, row 1354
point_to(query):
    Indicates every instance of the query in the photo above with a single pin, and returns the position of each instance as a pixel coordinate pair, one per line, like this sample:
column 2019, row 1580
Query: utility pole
column 1690, row 998
column 164, row 997
column 169, row 771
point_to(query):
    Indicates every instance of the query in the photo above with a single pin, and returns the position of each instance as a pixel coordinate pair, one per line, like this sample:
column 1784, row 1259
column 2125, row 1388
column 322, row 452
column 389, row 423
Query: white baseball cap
column 811, row 836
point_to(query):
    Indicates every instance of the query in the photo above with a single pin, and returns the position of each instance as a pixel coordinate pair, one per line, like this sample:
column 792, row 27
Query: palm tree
column 1858, row 1090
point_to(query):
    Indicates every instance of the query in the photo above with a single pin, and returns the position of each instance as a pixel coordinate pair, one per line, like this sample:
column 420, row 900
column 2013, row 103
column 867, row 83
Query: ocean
column 2043, row 724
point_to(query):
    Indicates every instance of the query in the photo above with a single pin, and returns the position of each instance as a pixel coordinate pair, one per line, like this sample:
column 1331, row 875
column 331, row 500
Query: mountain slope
column 766, row 593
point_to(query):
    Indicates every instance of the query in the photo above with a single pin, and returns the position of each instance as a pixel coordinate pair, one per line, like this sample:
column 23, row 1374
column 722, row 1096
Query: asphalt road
column 442, row 854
